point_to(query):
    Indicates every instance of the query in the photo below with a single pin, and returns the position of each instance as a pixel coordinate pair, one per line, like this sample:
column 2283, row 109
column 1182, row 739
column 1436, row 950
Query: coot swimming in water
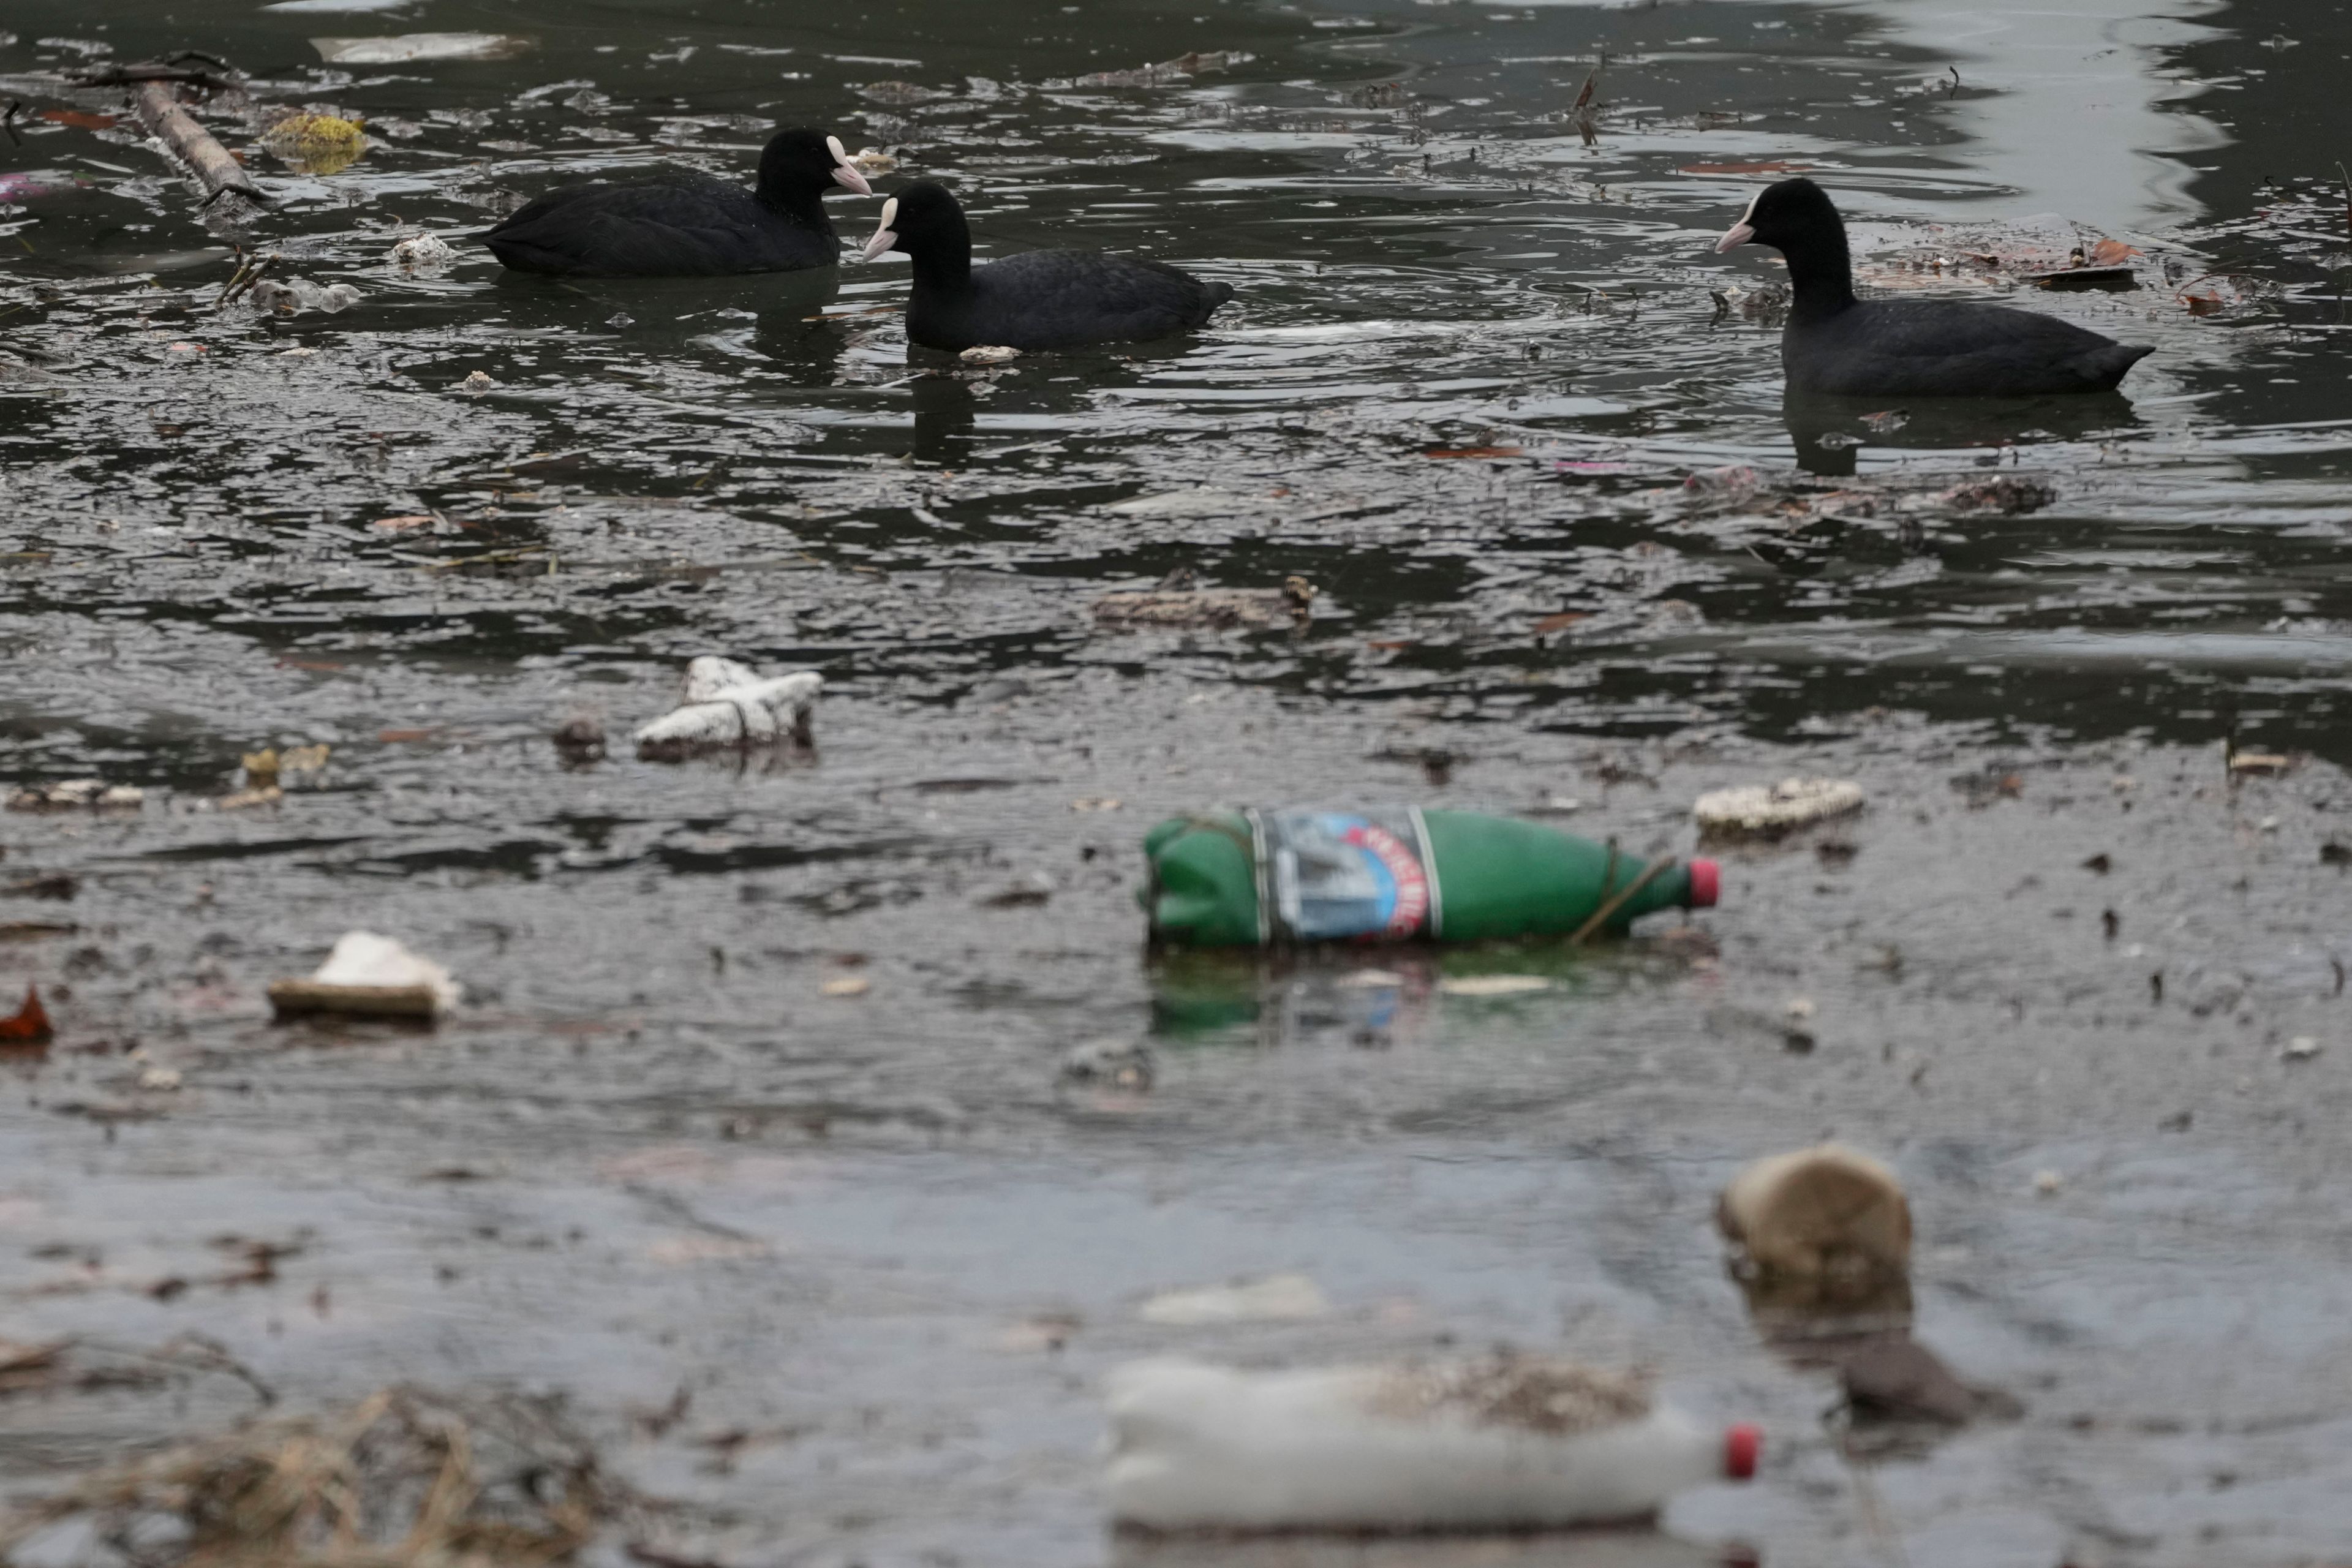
column 688, row 226
column 1909, row 348
column 1039, row 299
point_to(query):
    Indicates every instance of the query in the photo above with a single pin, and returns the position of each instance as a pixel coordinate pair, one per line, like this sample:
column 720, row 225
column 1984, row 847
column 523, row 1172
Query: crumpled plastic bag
column 724, row 703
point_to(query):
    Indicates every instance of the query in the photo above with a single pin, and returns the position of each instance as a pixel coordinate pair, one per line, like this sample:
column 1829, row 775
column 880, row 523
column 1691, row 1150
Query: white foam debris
column 370, row 975
column 1277, row 1298
column 724, row 703
column 1757, row 810
column 422, row 252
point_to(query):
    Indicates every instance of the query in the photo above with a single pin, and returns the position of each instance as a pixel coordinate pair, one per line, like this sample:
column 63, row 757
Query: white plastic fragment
column 404, row 47
column 1754, row 810
column 1493, row 984
column 724, row 703
column 370, row 975
column 1507, row 1442
column 1277, row 1298
column 422, row 252
column 72, row 794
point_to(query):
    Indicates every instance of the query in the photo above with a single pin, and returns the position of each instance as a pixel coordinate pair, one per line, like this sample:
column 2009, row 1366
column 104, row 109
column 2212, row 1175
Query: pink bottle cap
column 1742, row 1445
column 1705, row 883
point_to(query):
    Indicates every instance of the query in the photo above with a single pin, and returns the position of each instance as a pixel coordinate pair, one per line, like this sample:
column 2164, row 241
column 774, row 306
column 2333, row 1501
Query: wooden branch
column 160, row 115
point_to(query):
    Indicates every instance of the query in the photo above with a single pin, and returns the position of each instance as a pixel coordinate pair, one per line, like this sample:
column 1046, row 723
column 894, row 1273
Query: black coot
column 688, row 226
column 1040, row 299
column 1910, row 348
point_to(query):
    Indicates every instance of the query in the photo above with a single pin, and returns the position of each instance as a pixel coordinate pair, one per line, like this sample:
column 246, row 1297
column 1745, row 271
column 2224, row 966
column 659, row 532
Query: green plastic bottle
column 1296, row 874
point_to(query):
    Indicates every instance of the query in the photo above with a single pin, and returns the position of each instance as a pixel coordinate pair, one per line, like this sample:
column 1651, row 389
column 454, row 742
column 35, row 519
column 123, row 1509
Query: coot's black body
column 1040, row 299
column 1837, row 345
column 686, row 225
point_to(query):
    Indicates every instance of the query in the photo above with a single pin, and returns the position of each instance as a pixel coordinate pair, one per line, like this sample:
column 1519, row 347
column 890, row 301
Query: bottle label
column 1337, row 876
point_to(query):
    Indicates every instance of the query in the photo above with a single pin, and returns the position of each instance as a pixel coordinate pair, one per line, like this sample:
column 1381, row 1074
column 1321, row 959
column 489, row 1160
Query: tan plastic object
column 1820, row 1211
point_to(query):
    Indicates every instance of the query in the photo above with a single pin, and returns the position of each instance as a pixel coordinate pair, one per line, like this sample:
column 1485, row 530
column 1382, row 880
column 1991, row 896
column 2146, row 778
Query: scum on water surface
column 1569, row 546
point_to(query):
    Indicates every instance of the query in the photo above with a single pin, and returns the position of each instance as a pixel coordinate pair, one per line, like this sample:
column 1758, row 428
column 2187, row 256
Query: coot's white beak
column 845, row 173
column 1741, row 232
column 885, row 236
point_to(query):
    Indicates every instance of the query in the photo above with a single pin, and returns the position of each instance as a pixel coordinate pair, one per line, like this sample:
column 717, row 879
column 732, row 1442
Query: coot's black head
column 800, row 166
column 1787, row 216
column 1795, row 217
column 923, row 220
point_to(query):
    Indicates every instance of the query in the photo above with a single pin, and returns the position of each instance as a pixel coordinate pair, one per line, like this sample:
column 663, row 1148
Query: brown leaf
column 30, row 1026
column 1474, row 452
column 395, row 737
column 408, row 523
column 79, row 118
column 2110, row 253
column 2202, row 304
column 1560, row 622
column 1396, row 646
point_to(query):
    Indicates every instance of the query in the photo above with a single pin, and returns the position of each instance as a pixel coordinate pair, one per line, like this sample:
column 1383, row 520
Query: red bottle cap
column 1742, row 1445
column 1706, row 881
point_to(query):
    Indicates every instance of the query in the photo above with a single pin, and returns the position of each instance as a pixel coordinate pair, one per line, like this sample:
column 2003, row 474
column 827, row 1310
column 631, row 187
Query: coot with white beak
column 1837, row 345
column 688, row 224
column 1038, row 299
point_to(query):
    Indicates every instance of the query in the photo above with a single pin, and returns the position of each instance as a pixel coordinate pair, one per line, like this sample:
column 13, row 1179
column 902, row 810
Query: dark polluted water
column 839, row 1267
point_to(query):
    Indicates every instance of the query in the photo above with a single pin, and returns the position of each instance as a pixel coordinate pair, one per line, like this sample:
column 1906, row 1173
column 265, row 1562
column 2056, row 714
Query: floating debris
column 369, row 975
column 79, row 794
column 1177, row 604
column 292, row 296
column 424, row 253
column 404, row 48
column 1110, row 1064
column 404, row 1479
column 1827, row 1210
column 1756, row 810
column 990, row 354
column 28, row 1026
column 295, row 764
column 873, row 161
column 1183, row 68
column 899, row 94
column 1507, row 1442
column 724, row 703
column 1493, row 985
column 153, row 99
column 316, row 144
column 1276, row 1297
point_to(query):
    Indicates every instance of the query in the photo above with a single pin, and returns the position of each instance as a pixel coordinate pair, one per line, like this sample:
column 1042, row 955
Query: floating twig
column 160, row 115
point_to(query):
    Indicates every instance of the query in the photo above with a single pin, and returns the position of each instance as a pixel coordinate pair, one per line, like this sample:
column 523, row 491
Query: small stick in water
column 160, row 115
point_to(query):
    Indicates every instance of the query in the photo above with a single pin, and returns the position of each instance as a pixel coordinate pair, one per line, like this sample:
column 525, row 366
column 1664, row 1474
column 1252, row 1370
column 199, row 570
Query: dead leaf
column 407, row 523
column 398, row 737
column 1560, row 622
column 2202, row 304
column 81, row 118
column 30, row 1026
column 2110, row 253
column 1474, row 452
column 1398, row 646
